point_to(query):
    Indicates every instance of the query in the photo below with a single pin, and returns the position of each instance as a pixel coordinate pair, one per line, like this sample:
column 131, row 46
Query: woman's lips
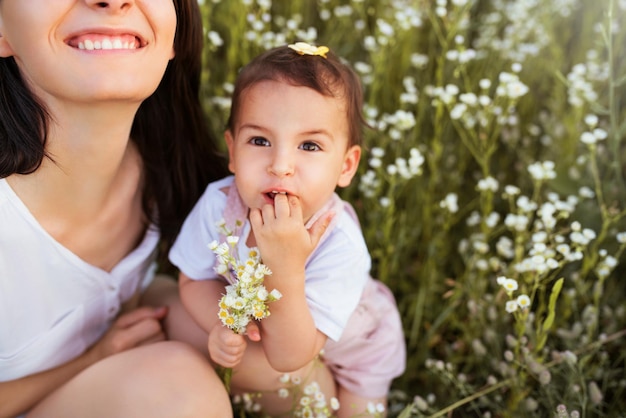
column 95, row 41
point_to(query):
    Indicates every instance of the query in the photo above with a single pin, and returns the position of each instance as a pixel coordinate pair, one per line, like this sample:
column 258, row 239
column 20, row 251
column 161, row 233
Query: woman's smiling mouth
column 91, row 42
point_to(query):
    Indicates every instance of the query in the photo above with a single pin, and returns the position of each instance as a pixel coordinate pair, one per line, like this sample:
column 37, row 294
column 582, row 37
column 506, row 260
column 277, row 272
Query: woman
column 103, row 151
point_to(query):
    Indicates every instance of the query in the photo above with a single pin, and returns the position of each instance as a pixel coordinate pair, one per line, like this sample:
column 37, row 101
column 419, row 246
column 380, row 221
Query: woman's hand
column 138, row 327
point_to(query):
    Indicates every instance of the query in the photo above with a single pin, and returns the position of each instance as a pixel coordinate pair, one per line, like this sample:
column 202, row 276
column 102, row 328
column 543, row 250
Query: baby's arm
column 201, row 299
column 289, row 336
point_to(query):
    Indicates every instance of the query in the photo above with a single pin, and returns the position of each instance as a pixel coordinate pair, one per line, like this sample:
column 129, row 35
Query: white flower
column 262, row 294
column 600, row 134
column 420, row 403
column 510, row 285
column 488, row 183
column 590, row 234
column 458, row 111
column 542, row 171
column 511, row 306
column 375, row 162
column 221, row 269
column 586, row 192
column 450, row 203
column 516, row 222
column 492, row 220
column 516, row 89
column 378, row 152
column 510, row 190
column 588, row 138
column 469, row 99
column 621, row 237
column 504, row 247
column 215, row 38
column 523, row 301
column 404, row 120
column 591, row 120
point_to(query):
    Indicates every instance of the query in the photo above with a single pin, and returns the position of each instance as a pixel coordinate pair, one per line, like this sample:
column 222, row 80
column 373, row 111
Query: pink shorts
column 371, row 351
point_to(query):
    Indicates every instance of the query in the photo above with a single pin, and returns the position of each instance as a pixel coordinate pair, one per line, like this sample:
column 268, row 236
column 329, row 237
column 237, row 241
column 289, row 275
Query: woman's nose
column 112, row 5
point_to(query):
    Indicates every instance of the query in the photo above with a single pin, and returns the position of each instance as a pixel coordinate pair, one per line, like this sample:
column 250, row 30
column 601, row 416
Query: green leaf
column 406, row 412
column 226, row 373
column 547, row 324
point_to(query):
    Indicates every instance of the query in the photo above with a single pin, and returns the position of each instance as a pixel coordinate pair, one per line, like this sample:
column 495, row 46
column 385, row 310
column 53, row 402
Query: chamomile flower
column 511, row 306
column 523, row 301
column 246, row 297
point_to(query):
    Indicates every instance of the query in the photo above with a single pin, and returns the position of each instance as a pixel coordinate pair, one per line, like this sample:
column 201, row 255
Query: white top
column 54, row 305
column 336, row 272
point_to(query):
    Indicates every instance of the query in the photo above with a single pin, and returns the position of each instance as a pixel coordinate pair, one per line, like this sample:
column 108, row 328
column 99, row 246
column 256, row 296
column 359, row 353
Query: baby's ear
column 350, row 165
column 228, row 136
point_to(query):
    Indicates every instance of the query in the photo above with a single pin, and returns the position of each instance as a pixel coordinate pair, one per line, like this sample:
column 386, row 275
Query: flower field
column 491, row 192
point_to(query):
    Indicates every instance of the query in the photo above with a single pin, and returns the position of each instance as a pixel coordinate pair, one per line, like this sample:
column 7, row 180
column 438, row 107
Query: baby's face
column 290, row 139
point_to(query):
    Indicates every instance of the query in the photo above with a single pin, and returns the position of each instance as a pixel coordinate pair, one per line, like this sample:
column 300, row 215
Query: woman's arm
column 135, row 328
column 18, row 396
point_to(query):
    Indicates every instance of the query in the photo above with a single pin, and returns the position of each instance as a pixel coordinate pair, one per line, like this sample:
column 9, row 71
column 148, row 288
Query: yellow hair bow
column 303, row 48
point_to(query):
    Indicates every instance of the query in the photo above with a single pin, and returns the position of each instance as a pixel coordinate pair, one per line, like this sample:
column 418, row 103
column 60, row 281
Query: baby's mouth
column 272, row 194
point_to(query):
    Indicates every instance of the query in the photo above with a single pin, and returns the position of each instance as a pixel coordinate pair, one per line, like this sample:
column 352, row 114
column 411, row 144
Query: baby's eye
column 260, row 141
column 310, row 146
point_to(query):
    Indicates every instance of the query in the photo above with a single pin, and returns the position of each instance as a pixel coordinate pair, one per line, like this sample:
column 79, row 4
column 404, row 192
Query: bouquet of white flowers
column 246, row 297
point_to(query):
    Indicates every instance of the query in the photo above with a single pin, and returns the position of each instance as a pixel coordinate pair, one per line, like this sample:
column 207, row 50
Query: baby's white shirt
column 336, row 272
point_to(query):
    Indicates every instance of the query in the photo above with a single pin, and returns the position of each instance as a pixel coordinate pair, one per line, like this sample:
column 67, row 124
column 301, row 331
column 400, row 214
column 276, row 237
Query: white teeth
column 276, row 192
column 106, row 44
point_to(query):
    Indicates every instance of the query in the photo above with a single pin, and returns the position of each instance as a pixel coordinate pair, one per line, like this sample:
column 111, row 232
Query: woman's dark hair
column 326, row 75
column 170, row 129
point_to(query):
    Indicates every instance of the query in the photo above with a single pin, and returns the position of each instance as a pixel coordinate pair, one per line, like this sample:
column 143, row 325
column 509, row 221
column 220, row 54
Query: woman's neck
column 90, row 151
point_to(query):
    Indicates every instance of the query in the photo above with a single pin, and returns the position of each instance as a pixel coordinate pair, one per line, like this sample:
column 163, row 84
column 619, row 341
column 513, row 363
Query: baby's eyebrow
column 318, row 132
column 252, row 126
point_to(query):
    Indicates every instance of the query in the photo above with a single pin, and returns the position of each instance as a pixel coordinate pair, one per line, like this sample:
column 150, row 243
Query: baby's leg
column 280, row 391
column 353, row 405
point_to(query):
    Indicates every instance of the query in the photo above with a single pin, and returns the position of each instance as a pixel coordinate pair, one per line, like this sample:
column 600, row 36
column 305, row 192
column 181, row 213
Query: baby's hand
column 227, row 348
column 284, row 242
